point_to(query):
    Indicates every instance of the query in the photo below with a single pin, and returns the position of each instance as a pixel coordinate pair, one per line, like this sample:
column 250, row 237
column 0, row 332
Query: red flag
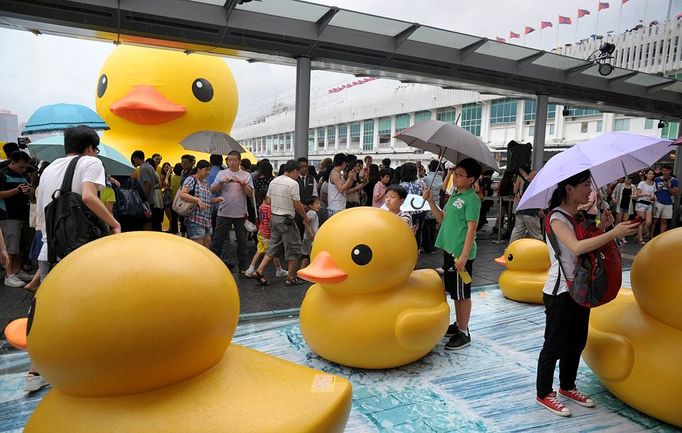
column 545, row 24
column 603, row 5
column 583, row 12
column 499, row 39
column 623, row 2
column 513, row 35
column 565, row 20
column 528, row 30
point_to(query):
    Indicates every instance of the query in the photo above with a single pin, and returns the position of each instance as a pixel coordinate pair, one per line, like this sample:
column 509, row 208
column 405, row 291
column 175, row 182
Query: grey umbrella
column 448, row 141
column 213, row 142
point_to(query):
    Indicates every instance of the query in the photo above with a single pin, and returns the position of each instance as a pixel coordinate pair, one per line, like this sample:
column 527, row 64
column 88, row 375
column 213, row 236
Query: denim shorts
column 198, row 231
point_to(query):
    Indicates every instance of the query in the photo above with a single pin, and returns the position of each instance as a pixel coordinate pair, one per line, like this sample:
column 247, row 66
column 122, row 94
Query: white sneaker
column 13, row 281
column 249, row 272
column 34, row 382
column 281, row 273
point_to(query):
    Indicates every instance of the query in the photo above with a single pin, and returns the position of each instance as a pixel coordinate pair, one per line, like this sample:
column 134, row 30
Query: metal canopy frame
column 281, row 31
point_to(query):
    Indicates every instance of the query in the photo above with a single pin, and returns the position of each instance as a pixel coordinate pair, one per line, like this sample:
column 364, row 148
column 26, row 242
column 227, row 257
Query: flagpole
column 557, row 32
column 541, row 29
column 646, row 7
column 596, row 32
column 620, row 14
column 577, row 22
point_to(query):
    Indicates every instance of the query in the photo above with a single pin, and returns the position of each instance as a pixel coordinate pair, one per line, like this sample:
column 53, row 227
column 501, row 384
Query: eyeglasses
column 459, row 174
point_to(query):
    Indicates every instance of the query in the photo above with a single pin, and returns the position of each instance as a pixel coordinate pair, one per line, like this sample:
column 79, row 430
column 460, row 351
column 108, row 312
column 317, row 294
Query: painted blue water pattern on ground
column 487, row 387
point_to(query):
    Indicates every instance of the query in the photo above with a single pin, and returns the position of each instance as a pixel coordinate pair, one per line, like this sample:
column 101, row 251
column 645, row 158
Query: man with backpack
column 80, row 142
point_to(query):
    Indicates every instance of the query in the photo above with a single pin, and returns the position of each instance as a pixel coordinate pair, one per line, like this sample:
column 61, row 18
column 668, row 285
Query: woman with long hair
column 566, row 321
column 645, row 197
column 196, row 189
column 166, row 173
column 261, row 184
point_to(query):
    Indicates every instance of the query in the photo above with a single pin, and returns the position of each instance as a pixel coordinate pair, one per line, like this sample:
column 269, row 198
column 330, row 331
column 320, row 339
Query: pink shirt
column 234, row 204
column 379, row 189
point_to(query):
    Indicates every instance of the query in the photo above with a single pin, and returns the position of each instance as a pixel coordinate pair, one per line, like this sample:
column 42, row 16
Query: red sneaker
column 577, row 397
column 552, row 404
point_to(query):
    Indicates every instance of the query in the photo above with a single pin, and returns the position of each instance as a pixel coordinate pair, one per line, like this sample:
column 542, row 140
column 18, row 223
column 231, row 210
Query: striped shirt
column 283, row 191
column 199, row 189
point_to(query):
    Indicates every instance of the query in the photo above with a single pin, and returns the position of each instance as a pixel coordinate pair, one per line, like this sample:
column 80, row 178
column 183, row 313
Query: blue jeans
column 221, row 235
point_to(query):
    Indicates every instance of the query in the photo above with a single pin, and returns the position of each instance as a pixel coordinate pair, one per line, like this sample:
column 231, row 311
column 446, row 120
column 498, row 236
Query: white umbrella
column 608, row 157
column 448, row 141
column 213, row 142
column 413, row 202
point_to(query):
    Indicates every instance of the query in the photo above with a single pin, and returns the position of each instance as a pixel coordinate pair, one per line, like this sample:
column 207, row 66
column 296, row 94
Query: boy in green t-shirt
column 457, row 238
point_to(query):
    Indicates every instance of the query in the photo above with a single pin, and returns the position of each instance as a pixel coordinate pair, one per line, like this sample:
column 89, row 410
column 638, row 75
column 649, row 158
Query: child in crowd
column 312, row 206
column 264, row 217
column 378, row 196
column 394, row 198
column 457, row 238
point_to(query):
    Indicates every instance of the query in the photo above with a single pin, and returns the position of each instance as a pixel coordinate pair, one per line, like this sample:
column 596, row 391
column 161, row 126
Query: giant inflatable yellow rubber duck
column 527, row 262
column 153, row 98
column 634, row 343
column 133, row 332
column 369, row 308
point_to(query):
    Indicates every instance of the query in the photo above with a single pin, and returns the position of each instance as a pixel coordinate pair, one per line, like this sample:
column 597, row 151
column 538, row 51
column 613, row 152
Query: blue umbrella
column 50, row 148
column 58, row 117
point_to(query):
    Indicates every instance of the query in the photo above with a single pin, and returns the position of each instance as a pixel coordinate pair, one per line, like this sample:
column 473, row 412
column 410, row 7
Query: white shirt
column 335, row 200
column 283, row 191
column 314, row 224
column 646, row 191
column 568, row 261
column 88, row 169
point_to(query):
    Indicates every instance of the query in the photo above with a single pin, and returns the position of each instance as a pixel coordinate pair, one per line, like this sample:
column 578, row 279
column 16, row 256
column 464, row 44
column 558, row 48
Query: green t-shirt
column 460, row 208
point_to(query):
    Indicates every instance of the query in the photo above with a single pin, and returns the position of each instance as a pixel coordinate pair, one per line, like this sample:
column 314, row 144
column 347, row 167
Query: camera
column 23, row 141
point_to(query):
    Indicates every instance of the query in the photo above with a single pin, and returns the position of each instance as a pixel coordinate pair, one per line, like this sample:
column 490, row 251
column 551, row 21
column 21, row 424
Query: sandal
column 260, row 279
column 294, row 282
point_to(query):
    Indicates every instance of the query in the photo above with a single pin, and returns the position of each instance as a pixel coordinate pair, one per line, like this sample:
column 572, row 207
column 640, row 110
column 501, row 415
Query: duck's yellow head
column 656, row 277
column 164, row 95
column 362, row 250
column 525, row 255
column 131, row 313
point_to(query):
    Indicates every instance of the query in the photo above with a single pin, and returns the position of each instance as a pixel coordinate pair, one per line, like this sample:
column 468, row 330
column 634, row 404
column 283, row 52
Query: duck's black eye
column 102, row 85
column 361, row 254
column 202, row 89
column 510, row 257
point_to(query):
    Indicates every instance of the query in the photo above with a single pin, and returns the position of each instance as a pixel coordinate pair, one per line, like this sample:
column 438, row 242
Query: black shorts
column 453, row 283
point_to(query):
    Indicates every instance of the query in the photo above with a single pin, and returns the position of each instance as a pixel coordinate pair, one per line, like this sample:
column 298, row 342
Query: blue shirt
column 663, row 195
column 211, row 177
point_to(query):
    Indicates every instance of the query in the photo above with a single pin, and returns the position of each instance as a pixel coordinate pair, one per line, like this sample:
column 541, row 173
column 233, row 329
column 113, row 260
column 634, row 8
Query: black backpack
column 68, row 221
column 129, row 201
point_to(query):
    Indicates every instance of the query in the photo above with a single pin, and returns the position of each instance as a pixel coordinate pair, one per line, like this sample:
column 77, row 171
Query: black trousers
column 565, row 338
column 429, row 235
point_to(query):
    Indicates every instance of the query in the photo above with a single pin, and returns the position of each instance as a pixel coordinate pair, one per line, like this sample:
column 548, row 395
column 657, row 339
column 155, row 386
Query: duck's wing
column 610, row 356
column 416, row 326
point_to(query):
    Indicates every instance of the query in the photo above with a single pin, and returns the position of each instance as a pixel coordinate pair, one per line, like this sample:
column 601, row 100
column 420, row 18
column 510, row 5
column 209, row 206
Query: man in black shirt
column 15, row 191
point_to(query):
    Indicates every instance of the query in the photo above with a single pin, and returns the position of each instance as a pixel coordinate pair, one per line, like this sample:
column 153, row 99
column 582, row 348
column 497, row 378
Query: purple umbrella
column 608, row 157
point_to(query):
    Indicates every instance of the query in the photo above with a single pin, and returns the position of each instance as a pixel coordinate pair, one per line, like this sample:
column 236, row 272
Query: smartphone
column 638, row 220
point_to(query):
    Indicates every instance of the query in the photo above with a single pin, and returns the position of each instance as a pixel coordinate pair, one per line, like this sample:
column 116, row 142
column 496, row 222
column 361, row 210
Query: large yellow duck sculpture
column 527, row 262
column 634, row 343
column 153, row 98
column 370, row 308
column 126, row 352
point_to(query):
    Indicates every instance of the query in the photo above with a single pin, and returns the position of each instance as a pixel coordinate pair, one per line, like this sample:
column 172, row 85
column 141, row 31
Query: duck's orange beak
column 502, row 260
column 147, row 106
column 323, row 270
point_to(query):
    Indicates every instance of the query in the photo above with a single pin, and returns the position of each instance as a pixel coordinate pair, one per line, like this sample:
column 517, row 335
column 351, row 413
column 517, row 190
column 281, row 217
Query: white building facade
column 364, row 119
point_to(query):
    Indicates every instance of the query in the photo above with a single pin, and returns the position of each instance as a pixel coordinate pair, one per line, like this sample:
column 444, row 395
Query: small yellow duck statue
column 154, row 98
column 527, row 262
column 634, row 343
column 133, row 333
column 370, row 308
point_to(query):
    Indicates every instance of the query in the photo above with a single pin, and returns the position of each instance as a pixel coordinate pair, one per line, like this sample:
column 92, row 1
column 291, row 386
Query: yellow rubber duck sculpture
column 369, row 308
column 153, row 98
column 634, row 343
column 527, row 262
column 133, row 333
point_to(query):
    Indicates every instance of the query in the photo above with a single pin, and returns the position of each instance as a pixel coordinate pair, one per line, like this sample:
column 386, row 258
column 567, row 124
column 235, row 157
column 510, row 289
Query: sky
column 40, row 70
